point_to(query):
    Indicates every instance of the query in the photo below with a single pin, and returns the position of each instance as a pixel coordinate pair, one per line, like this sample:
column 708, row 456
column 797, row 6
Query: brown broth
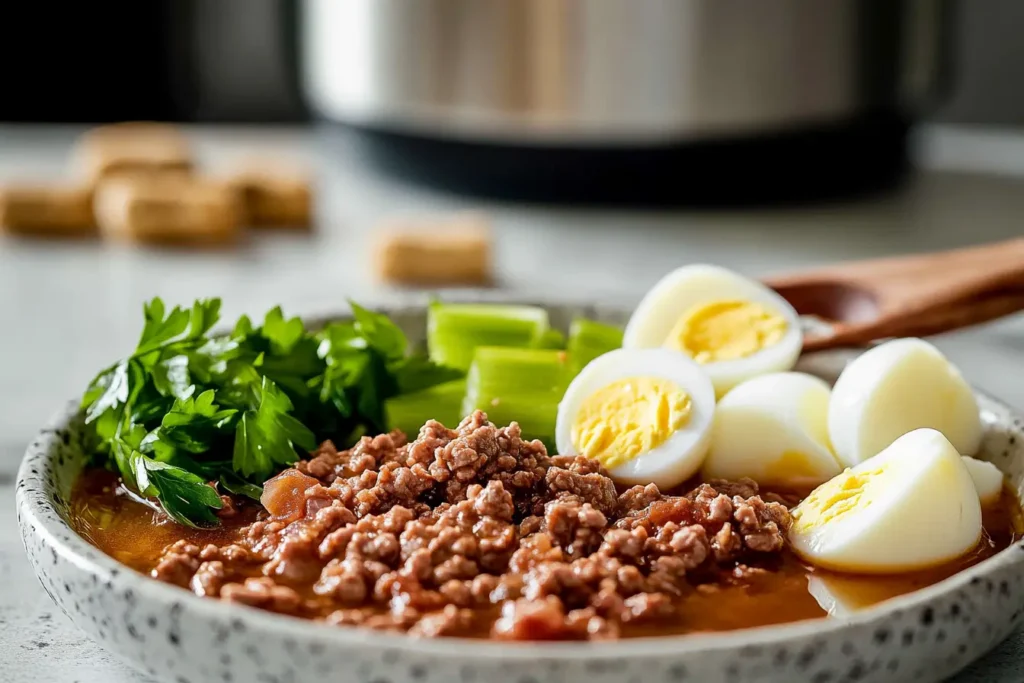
column 132, row 532
column 135, row 534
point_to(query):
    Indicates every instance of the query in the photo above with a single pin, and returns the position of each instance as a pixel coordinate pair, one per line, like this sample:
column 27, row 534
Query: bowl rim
column 39, row 518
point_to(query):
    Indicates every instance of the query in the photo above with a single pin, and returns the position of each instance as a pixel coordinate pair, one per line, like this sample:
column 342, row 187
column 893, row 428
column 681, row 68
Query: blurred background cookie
column 132, row 147
column 46, row 210
column 275, row 195
column 453, row 251
column 167, row 210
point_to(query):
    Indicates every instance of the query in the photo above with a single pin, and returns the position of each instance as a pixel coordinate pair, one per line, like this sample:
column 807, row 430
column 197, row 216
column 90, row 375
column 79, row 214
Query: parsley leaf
column 379, row 332
column 249, row 457
column 125, row 448
column 342, row 351
column 191, row 406
column 150, row 405
column 192, row 424
column 185, row 497
column 282, row 334
column 375, row 385
column 158, row 329
column 171, row 377
column 232, row 483
column 268, row 436
column 205, row 314
column 111, row 393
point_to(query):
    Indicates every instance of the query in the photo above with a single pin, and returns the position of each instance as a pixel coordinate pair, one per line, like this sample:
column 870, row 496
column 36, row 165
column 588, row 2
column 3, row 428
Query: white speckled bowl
column 172, row 634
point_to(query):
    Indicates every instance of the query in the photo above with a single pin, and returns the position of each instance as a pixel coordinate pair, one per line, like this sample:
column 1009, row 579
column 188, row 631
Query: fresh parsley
column 191, row 413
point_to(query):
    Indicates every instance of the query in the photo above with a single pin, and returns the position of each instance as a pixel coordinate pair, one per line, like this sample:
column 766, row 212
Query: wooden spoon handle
column 945, row 319
column 919, row 282
column 910, row 295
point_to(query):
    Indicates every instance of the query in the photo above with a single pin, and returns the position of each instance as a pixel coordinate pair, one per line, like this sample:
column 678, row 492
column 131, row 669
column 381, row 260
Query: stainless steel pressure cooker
column 576, row 98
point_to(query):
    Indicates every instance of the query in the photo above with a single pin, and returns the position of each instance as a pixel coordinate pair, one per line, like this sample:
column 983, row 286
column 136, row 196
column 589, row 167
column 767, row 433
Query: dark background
column 237, row 61
column 173, row 60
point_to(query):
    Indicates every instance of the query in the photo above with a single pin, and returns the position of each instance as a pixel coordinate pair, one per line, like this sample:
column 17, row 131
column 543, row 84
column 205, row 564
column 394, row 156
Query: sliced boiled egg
column 988, row 479
column 773, row 429
column 896, row 387
column 910, row 507
column 842, row 595
column 734, row 327
column 645, row 414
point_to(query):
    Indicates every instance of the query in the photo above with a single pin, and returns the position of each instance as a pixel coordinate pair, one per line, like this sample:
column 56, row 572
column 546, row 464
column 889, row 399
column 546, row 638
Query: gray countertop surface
column 67, row 309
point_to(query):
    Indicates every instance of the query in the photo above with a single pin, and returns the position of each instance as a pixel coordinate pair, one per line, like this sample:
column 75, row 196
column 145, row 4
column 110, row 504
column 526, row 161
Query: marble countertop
column 67, row 309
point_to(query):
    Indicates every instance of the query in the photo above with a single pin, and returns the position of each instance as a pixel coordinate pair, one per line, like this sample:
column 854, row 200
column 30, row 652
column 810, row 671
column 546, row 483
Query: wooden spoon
column 908, row 296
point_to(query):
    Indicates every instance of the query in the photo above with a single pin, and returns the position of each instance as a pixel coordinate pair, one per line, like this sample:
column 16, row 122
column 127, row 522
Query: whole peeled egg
column 773, row 429
column 645, row 414
column 734, row 327
column 894, row 388
column 988, row 479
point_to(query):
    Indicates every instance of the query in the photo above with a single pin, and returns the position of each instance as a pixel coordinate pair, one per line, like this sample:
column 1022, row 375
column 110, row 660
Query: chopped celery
column 521, row 385
column 551, row 339
column 498, row 369
column 589, row 339
column 442, row 402
column 454, row 331
column 535, row 413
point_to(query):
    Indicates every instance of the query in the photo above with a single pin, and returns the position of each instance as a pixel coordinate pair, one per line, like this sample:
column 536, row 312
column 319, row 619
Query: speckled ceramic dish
column 170, row 633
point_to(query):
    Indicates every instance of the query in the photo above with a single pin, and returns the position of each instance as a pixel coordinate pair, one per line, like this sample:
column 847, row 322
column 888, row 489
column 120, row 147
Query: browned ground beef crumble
column 474, row 531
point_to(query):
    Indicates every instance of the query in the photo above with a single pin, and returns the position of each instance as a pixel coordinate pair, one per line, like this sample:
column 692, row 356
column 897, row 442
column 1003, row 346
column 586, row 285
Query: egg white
column 920, row 510
column 682, row 453
column 765, row 423
column 988, row 479
column 894, row 388
column 843, row 595
column 689, row 286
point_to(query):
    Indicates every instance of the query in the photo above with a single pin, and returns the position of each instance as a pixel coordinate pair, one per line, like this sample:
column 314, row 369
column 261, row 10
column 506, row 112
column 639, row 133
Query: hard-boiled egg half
column 894, row 388
column 734, row 327
column 912, row 506
column 988, row 479
column 645, row 414
column 773, row 429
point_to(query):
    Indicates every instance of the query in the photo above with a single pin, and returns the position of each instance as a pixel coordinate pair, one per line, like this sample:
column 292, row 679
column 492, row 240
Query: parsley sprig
column 191, row 413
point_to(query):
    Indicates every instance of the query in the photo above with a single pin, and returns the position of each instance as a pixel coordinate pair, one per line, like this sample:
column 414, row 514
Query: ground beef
column 476, row 531
column 264, row 593
column 178, row 564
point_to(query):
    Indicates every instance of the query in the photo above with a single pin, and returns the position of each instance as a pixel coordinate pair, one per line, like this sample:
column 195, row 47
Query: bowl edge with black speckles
column 167, row 632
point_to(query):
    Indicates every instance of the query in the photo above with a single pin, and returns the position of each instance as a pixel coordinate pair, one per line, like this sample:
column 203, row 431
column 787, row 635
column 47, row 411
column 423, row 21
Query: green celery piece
column 589, row 339
column 536, row 413
column 454, row 331
column 442, row 402
column 521, row 385
column 551, row 339
column 502, row 369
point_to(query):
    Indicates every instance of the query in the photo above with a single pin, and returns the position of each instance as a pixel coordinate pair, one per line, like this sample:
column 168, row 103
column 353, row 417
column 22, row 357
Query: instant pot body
column 650, row 100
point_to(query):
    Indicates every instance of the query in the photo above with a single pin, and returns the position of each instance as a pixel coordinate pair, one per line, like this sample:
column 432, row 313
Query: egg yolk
column 836, row 497
column 791, row 465
column 726, row 330
column 795, row 465
column 629, row 417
